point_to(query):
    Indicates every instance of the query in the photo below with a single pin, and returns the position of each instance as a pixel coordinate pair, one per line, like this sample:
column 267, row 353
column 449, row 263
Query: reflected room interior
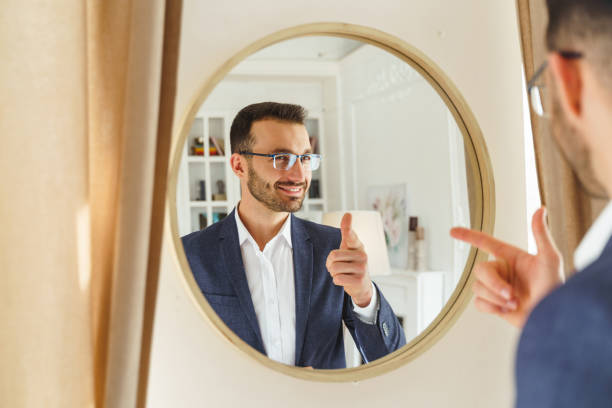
column 389, row 144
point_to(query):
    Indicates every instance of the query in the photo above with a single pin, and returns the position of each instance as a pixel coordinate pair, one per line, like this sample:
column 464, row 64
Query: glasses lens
column 537, row 95
column 284, row 161
column 311, row 161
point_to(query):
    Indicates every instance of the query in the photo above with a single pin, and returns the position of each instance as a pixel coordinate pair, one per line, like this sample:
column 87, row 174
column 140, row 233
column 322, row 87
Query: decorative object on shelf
column 314, row 191
column 218, row 216
column 203, row 221
column 413, row 224
column 369, row 228
column 201, row 190
column 220, row 195
column 421, row 250
column 391, row 202
column 216, row 145
column 198, row 146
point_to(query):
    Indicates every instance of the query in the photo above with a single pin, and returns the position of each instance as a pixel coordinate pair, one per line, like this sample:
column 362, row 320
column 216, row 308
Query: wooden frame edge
column 479, row 159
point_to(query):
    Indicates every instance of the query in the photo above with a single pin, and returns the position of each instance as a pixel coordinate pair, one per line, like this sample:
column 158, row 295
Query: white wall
column 476, row 43
column 399, row 127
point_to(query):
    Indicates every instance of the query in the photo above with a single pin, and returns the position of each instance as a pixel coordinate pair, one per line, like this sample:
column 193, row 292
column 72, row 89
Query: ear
column 238, row 165
column 567, row 77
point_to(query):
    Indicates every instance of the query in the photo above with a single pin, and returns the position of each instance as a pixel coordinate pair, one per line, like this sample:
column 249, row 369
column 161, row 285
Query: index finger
column 487, row 243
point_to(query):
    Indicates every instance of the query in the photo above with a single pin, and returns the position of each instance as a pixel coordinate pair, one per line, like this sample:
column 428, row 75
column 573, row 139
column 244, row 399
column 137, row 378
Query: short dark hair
column 241, row 138
column 584, row 26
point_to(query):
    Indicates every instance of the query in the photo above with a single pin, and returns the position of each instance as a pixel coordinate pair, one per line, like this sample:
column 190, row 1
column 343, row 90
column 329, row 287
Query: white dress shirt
column 595, row 240
column 270, row 279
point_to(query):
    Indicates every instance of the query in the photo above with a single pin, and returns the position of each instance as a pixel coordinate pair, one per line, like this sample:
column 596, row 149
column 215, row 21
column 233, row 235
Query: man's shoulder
column 586, row 295
column 564, row 355
column 202, row 238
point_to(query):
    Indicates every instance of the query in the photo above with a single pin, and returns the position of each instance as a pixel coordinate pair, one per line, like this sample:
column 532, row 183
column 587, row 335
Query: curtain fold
column 570, row 210
column 85, row 139
column 108, row 35
column 46, row 343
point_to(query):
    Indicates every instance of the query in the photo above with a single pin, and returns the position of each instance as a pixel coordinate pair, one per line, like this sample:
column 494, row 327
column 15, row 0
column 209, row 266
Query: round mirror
column 291, row 134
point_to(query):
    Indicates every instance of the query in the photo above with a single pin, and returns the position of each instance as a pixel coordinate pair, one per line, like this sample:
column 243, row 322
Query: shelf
column 195, row 159
column 204, row 159
column 216, row 159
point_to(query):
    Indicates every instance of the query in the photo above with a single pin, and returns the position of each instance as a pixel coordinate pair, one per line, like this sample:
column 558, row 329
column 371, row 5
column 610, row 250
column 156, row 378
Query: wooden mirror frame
column 479, row 171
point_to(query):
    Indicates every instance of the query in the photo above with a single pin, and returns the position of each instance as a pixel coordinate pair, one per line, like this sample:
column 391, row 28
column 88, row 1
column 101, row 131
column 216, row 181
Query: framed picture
column 391, row 202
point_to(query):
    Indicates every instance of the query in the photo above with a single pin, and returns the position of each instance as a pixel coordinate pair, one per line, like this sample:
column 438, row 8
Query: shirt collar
column 595, row 240
column 244, row 234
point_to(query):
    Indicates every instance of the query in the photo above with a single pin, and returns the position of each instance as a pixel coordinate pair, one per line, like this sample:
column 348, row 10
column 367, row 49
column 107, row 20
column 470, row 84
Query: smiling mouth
column 291, row 190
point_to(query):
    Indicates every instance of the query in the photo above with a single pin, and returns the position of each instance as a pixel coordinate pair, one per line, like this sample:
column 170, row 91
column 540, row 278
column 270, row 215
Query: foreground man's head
column 579, row 80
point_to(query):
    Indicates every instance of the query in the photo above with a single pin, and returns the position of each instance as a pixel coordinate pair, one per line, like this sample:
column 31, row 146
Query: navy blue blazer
column 320, row 306
column 564, row 357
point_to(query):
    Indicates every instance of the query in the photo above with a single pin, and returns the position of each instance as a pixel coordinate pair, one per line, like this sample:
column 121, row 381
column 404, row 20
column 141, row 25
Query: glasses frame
column 536, row 103
column 293, row 158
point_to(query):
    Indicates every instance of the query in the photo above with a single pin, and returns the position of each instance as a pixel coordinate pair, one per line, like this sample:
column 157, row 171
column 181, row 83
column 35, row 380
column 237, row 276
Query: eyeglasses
column 537, row 89
column 285, row 161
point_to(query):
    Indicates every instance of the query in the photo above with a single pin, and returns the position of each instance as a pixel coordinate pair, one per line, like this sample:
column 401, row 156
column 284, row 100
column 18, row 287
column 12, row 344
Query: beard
column 267, row 194
column 573, row 149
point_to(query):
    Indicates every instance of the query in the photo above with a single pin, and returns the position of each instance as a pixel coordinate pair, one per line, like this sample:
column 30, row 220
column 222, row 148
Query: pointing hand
column 348, row 265
column 516, row 281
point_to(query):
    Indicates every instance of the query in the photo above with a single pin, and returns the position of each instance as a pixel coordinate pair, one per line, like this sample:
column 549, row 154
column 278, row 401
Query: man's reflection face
column 573, row 146
column 279, row 190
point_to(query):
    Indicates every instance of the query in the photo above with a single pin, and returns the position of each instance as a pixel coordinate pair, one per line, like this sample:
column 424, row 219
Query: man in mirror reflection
column 564, row 357
column 282, row 284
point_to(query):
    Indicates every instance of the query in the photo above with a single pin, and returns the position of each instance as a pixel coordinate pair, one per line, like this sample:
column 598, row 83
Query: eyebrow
column 307, row 151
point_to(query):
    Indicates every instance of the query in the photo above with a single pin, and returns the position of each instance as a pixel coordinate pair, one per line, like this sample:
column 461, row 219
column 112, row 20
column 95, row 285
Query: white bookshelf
column 197, row 207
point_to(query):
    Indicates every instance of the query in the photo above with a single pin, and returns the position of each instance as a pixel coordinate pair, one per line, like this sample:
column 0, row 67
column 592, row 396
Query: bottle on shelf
column 421, row 250
column 412, row 245
column 202, row 190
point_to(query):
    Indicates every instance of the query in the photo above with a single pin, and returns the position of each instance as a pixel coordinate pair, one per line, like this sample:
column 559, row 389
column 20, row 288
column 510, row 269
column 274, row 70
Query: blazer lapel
column 303, row 273
column 232, row 259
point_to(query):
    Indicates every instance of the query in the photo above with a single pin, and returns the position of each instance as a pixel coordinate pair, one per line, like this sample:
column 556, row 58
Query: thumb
column 349, row 238
column 541, row 232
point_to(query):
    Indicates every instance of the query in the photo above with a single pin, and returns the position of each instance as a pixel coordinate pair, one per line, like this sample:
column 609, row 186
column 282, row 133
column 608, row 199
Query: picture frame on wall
column 391, row 201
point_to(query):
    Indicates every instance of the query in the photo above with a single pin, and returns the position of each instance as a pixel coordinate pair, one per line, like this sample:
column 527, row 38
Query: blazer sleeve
column 564, row 359
column 374, row 340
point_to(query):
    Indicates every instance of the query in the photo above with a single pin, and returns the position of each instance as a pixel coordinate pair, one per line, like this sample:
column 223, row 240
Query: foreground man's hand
column 348, row 265
column 516, row 281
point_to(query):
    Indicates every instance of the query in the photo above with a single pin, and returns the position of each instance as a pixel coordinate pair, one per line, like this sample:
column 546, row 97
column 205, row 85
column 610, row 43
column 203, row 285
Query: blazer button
column 385, row 328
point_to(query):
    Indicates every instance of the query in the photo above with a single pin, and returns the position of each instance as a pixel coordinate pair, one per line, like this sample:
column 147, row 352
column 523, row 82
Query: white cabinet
column 416, row 299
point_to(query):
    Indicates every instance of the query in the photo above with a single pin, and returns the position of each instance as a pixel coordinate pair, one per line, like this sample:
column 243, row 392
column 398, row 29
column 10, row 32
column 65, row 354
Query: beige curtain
column 86, row 106
column 570, row 211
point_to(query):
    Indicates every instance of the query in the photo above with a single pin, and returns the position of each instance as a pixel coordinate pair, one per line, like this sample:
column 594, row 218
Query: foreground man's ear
column 566, row 78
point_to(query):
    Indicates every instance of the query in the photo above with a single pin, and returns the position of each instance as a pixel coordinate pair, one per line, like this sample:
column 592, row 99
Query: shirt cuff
column 367, row 314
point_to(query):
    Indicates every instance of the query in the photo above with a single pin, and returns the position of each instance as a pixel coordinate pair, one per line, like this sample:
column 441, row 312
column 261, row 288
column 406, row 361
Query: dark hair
column 584, row 26
column 240, row 133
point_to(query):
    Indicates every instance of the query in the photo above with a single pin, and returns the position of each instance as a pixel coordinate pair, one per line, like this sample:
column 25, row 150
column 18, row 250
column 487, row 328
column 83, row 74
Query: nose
column 297, row 172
